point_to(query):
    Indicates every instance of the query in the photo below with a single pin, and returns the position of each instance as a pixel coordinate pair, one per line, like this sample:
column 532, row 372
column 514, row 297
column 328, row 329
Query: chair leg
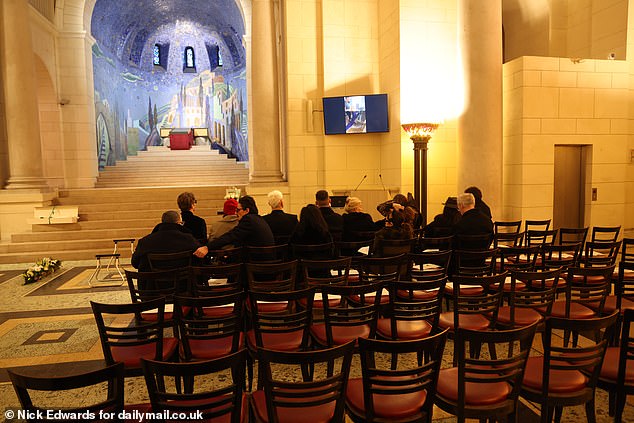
column 590, row 415
column 619, row 406
column 394, row 361
column 547, row 414
column 250, row 372
column 612, row 397
column 558, row 412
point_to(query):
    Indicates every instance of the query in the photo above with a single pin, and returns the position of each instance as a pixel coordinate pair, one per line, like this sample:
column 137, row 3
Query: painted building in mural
column 173, row 74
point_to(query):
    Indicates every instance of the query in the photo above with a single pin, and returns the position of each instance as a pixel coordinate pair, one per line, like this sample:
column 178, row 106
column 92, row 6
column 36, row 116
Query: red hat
column 230, row 207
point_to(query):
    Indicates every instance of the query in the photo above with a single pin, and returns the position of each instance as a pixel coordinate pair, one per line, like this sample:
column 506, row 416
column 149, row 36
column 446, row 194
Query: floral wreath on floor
column 42, row 268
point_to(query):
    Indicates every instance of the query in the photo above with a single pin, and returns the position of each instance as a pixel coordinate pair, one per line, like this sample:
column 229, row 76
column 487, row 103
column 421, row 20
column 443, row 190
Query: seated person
column 355, row 221
column 396, row 227
column 251, row 230
column 229, row 219
column 168, row 238
column 187, row 204
column 479, row 203
column 333, row 219
column 443, row 223
column 473, row 221
column 312, row 228
column 282, row 224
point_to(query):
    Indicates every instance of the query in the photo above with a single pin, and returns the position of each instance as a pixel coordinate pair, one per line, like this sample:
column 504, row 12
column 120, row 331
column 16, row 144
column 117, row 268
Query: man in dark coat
column 167, row 238
column 251, row 230
column 473, row 221
column 479, row 203
column 332, row 218
column 282, row 224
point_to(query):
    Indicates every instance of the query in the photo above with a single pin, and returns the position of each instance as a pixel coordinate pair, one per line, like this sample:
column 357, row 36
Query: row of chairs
column 484, row 384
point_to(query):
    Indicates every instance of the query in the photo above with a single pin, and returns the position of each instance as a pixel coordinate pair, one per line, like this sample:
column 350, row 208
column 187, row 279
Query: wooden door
column 570, row 185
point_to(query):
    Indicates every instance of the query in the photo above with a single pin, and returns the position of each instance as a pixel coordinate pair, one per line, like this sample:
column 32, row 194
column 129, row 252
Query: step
column 137, row 184
column 130, row 195
column 83, row 234
column 66, row 245
column 209, row 206
column 29, row 258
column 154, row 215
column 167, row 175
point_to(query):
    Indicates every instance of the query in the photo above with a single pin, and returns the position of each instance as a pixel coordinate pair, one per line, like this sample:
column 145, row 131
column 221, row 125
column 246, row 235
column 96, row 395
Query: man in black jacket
column 473, row 221
column 168, row 237
column 281, row 223
column 251, row 230
column 332, row 218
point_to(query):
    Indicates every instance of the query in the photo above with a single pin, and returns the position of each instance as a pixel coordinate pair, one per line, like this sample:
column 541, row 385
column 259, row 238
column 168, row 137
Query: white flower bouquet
column 40, row 269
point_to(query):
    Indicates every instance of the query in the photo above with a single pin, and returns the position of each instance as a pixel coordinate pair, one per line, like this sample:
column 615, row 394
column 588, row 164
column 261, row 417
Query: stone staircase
column 160, row 166
column 128, row 202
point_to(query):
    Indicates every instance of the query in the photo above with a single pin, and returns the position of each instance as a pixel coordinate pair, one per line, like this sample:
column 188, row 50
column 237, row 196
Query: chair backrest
column 472, row 242
column 475, row 367
column 486, row 304
column 601, row 253
column 567, row 357
column 474, row 262
column 382, row 268
column 113, row 401
column 536, row 225
column 226, row 256
column 270, row 254
column 271, row 277
column 359, row 235
column 351, row 248
column 540, row 292
column 209, row 320
column 383, row 381
column 326, row 272
column 624, row 287
column 220, row 400
column 135, row 333
column 627, row 252
column 573, row 236
column 588, row 286
column 626, row 353
column 314, row 390
column 605, row 233
column 510, row 239
column 167, row 261
column 407, row 304
column 539, row 237
column 296, row 317
column 392, row 247
column 564, row 256
column 221, row 279
column 519, row 258
column 428, row 266
column 435, row 243
column 508, row 227
column 165, row 284
column 323, row 251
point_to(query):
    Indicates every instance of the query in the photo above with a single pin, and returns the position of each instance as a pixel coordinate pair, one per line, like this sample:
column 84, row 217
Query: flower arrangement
column 42, row 268
column 232, row 193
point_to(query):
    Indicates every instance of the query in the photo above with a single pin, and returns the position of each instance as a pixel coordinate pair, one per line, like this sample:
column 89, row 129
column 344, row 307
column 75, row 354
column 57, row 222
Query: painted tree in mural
column 150, row 117
column 155, row 116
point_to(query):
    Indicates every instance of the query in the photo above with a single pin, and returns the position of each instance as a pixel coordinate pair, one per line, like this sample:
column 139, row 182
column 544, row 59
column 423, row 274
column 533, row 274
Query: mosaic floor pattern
column 50, row 322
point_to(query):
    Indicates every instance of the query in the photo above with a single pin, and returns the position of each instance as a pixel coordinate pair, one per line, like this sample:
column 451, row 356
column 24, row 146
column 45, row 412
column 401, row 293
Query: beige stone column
column 20, row 95
column 480, row 126
column 265, row 150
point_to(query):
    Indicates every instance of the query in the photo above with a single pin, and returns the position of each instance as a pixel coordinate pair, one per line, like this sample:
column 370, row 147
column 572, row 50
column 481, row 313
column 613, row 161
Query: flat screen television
column 357, row 114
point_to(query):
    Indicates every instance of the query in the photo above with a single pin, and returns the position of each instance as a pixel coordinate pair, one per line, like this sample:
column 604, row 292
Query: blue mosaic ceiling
column 124, row 27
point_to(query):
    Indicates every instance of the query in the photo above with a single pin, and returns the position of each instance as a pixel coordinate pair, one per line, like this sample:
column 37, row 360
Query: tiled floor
column 50, row 322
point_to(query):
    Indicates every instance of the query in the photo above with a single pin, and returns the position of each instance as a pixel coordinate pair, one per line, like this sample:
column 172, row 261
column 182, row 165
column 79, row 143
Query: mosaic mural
column 168, row 64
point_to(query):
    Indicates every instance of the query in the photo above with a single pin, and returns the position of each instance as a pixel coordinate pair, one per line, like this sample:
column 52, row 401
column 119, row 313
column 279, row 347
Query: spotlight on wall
column 64, row 101
column 611, row 56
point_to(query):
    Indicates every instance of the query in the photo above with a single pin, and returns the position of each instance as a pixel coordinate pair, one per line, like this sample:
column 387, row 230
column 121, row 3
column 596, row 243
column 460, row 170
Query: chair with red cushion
column 316, row 396
column 483, row 386
column 507, row 227
column 601, row 253
column 379, row 269
column 572, row 236
column 48, row 379
column 392, row 247
column 222, row 401
column 617, row 371
column 518, row 258
column 535, row 225
column 560, row 256
column 267, row 254
column 429, row 265
column 317, row 273
column 272, row 277
column 127, row 338
column 388, row 394
column 474, row 262
column 442, row 243
column 222, row 279
column 226, row 256
column 323, row 251
column 539, row 238
column 586, row 290
column 567, row 375
column 605, row 233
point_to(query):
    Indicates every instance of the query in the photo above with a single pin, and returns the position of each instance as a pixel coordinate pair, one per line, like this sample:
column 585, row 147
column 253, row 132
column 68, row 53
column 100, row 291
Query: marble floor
column 50, row 322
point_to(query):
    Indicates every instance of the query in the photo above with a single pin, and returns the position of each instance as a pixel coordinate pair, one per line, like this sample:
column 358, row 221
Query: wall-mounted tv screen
column 357, row 114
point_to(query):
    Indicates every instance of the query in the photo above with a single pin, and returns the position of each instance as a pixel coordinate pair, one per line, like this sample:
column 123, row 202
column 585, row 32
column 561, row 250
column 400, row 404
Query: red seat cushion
column 406, row 329
column 200, row 403
column 394, row 407
column 519, row 286
column 318, row 302
column 610, row 367
column 269, row 307
column 131, row 356
column 475, row 393
column 315, row 414
column 610, row 304
column 283, row 341
column 475, row 290
column 340, row 334
column 216, row 312
column 369, row 299
column 523, row 316
column 417, row 295
column 560, row 381
column 589, row 279
column 208, row 349
column 465, row 321
column 577, row 311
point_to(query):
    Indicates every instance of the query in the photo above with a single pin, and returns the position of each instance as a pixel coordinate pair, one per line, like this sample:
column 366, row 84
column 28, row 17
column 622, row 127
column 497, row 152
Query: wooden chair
column 566, row 375
column 507, row 227
column 474, row 262
column 427, row 266
column 540, row 238
column 324, row 251
column 405, row 394
column 319, row 273
column 271, row 254
column 375, row 269
column 601, row 253
column 25, row 381
column 392, row 247
column 617, row 371
column 535, row 225
column 518, row 258
column 127, row 338
column 434, row 243
column 483, row 386
column 507, row 234
column 472, row 242
column 320, row 394
column 222, row 279
column 573, row 236
column 168, row 261
column 226, row 256
column 605, row 233
column 223, row 400
column 559, row 256
column 271, row 277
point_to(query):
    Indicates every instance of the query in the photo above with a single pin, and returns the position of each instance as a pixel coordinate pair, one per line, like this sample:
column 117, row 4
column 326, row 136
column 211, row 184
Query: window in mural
column 219, row 58
column 190, row 61
column 157, row 55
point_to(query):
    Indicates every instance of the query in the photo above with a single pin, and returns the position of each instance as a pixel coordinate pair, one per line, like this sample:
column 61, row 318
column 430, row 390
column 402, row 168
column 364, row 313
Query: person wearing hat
column 229, row 219
column 443, row 223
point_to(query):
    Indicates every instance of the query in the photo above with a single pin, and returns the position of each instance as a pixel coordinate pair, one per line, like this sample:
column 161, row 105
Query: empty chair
column 601, row 253
column 539, row 238
column 507, row 234
column 269, row 254
column 111, row 399
column 474, row 262
column 519, row 258
column 572, row 236
column 428, row 265
column 566, row 375
column 221, row 401
column 392, row 247
column 536, row 225
column 269, row 277
column 435, row 243
column 605, row 233
column 507, row 227
column 403, row 394
column 220, row 279
column 483, row 386
column 126, row 338
column 317, row 396
column 617, row 371
column 560, row 256
column 318, row 273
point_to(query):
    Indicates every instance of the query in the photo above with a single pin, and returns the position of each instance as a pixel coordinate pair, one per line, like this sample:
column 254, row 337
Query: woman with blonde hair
column 356, row 224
